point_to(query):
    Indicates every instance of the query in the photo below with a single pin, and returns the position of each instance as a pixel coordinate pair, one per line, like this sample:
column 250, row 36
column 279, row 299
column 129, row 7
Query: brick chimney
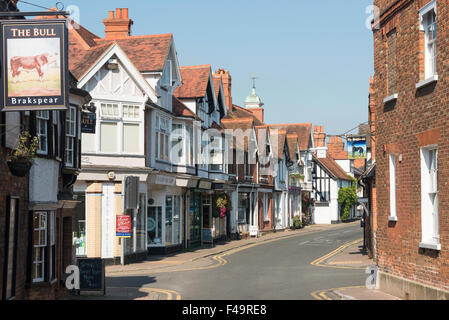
column 118, row 24
column 227, row 85
column 258, row 113
column 336, row 148
column 319, row 136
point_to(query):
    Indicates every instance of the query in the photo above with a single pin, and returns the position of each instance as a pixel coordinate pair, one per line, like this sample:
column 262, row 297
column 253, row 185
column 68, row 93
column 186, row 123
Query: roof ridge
column 136, row 37
column 203, row 66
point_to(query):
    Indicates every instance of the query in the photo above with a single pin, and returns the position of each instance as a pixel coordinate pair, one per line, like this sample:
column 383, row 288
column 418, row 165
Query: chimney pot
column 119, row 13
column 125, row 13
column 111, row 14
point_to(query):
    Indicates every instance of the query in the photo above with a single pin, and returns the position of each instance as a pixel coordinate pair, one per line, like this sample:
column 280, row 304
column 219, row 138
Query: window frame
column 42, row 122
column 423, row 14
column 393, row 187
column 71, row 137
column 430, row 213
column 162, row 150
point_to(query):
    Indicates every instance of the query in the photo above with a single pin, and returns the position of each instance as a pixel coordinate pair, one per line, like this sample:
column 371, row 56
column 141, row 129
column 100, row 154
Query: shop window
column 79, row 225
column 243, row 208
column 265, row 207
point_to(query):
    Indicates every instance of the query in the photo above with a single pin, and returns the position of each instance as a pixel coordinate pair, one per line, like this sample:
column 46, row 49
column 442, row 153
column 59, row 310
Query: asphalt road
column 278, row 270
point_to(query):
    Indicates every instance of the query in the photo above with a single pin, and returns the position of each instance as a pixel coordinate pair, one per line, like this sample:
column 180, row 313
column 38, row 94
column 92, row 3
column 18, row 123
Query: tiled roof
column 333, row 168
column 217, row 82
column 194, row 81
column 181, row 110
column 302, row 130
column 292, row 140
column 81, row 61
column 148, row 53
column 237, row 112
column 280, row 137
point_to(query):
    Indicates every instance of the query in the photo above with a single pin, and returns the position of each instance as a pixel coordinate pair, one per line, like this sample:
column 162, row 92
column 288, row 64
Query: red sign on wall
column 123, row 226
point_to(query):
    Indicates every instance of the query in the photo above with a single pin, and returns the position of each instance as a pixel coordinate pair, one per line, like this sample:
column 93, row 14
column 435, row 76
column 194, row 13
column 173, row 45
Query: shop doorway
column 195, row 219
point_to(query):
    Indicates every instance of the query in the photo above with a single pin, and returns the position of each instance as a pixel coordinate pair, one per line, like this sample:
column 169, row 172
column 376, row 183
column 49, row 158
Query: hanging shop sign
column 34, row 58
column 88, row 122
column 356, row 148
column 123, row 226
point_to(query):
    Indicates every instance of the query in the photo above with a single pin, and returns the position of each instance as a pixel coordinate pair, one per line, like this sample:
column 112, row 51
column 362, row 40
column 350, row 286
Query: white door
column 107, row 221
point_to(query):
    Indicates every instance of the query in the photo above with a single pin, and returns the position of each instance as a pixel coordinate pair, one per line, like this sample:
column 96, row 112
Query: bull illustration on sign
column 38, row 63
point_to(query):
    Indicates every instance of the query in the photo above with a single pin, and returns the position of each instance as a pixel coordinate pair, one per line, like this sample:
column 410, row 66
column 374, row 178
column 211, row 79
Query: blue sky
column 312, row 59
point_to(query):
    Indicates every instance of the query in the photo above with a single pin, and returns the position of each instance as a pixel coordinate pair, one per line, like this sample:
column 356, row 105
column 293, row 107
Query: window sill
column 426, row 82
column 392, row 218
column 393, row 97
column 430, row 245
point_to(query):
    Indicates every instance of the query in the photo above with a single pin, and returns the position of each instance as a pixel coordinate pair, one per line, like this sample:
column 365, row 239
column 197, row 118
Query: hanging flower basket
column 21, row 158
column 19, row 168
column 223, row 205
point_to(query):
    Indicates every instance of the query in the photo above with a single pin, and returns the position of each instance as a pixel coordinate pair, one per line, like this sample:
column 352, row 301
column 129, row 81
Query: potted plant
column 21, row 158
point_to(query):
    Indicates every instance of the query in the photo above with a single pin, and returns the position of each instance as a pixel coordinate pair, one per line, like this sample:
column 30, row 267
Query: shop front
column 94, row 225
column 294, row 196
column 247, row 210
column 164, row 215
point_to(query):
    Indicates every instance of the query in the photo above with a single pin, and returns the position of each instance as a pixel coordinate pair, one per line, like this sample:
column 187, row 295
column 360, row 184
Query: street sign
column 123, row 226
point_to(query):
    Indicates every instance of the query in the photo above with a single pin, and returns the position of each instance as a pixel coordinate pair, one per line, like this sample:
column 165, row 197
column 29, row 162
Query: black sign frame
column 97, row 261
column 88, row 127
column 46, row 29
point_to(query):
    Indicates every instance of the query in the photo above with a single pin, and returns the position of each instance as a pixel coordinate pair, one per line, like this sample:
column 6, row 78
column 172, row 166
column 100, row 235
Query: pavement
column 349, row 256
column 290, row 265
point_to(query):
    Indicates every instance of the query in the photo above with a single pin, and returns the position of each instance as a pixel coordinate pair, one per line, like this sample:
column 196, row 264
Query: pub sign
column 34, row 58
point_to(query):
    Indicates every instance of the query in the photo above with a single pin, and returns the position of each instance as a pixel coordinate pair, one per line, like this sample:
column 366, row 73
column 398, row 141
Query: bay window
column 119, row 129
column 70, row 133
column 162, row 133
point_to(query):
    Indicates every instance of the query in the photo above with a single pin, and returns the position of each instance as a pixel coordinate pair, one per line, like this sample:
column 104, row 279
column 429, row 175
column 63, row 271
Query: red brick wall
column 18, row 187
column 417, row 118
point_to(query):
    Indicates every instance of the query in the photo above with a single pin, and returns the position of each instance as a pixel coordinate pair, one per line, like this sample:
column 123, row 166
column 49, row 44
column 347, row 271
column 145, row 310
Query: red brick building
column 410, row 95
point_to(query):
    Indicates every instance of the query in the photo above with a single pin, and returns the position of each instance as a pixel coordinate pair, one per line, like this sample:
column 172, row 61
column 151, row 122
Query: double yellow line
column 321, row 294
column 320, row 262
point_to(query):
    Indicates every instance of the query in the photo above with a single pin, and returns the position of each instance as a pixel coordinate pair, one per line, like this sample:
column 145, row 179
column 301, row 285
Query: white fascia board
column 429, row 80
column 129, row 66
column 391, row 98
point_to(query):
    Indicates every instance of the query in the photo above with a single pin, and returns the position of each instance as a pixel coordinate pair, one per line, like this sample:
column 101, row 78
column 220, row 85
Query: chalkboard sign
column 92, row 272
column 207, row 236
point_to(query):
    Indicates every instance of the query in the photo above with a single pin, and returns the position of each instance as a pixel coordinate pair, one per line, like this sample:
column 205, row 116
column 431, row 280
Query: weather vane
column 253, row 77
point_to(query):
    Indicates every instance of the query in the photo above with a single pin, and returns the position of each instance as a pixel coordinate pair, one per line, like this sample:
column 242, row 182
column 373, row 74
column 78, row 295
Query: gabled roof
column 292, row 140
column 194, row 81
column 281, row 139
column 302, row 130
column 181, row 110
column 333, row 168
column 148, row 53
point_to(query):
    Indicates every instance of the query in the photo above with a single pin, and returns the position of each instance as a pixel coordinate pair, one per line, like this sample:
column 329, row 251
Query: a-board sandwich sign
column 34, row 65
